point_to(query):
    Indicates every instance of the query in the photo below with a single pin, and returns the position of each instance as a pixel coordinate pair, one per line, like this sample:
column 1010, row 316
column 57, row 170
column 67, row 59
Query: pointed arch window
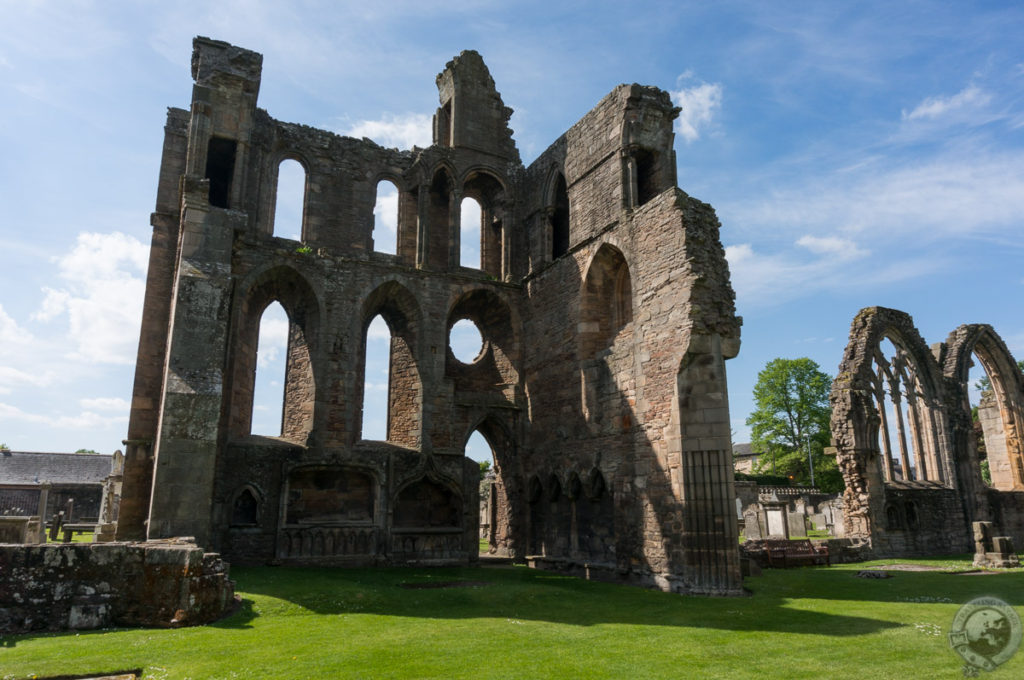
column 385, row 218
column 290, row 200
column 269, row 384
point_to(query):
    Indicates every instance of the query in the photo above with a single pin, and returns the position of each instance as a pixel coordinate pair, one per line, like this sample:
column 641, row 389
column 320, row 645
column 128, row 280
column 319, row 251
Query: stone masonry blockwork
column 602, row 297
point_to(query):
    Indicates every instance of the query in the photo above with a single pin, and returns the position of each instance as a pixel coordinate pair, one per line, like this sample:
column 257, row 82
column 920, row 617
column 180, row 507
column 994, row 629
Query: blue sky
column 857, row 154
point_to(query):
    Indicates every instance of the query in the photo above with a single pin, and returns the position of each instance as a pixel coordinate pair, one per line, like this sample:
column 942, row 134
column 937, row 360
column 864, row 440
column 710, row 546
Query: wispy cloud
column 398, row 131
column 699, row 103
column 767, row 279
column 834, row 246
column 968, row 193
column 105, row 404
column 971, row 97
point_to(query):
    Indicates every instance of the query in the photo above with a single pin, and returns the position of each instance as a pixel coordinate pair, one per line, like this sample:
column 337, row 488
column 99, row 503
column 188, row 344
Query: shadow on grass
column 812, row 601
column 523, row 594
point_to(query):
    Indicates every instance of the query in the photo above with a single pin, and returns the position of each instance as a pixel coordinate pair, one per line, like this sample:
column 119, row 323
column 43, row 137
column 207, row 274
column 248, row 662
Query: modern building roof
column 31, row 468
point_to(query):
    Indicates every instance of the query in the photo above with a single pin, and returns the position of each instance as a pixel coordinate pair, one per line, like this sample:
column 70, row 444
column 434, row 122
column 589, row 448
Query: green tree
column 485, row 465
column 4, row 447
column 86, row 451
column 790, row 425
column 984, row 384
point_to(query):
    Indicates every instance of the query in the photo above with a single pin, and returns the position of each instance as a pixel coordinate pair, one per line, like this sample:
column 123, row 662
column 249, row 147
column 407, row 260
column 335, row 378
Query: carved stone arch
column 488, row 188
column 573, row 486
column 857, row 416
column 606, row 299
column 442, row 219
column 596, row 486
column 429, row 500
column 534, row 489
column 405, row 213
column 246, row 503
column 1001, row 412
column 303, row 305
column 505, row 506
column 283, row 152
column 557, row 213
column 498, row 323
column 330, row 494
column 402, row 313
column 553, row 487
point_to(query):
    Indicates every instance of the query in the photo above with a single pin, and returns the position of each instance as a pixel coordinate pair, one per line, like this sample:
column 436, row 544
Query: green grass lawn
column 77, row 537
column 337, row 623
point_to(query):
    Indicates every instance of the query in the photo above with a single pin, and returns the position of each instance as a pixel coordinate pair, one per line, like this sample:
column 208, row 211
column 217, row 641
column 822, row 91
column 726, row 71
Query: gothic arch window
column 275, row 328
column 892, row 518
column 245, row 508
column 906, row 433
column 482, row 239
column 607, row 301
column 376, row 380
column 471, row 219
column 560, row 219
column 389, row 381
column 269, row 383
column 385, row 218
column 439, row 220
column 290, row 200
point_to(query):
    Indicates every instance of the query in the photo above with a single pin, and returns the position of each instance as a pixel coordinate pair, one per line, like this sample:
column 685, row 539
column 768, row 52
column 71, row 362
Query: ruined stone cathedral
column 603, row 301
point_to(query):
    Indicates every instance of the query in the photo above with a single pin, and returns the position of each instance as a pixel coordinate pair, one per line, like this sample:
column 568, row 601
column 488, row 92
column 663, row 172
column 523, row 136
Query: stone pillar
column 422, row 210
column 710, row 532
column 901, row 437
column 887, row 468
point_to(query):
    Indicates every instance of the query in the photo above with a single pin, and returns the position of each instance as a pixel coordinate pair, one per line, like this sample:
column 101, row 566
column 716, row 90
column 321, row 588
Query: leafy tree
column 984, row 384
column 4, row 447
column 791, row 422
column 485, row 465
column 86, row 451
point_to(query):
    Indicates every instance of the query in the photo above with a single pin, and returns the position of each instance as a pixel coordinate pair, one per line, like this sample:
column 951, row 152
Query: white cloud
column 971, row 97
column 84, row 420
column 378, row 330
column 101, row 296
column 763, row 279
column 105, row 404
column 385, row 218
column 400, row 131
column 699, row 105
column 273, row 339
column 962, row 193
column 834, row 246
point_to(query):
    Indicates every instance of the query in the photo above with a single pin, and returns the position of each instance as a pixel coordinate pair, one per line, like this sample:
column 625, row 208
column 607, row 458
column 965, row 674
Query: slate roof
column 25, row 467
column 742, row 450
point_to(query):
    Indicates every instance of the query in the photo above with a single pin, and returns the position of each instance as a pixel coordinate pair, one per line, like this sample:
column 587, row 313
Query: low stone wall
column 99, row 585
column 840, row 550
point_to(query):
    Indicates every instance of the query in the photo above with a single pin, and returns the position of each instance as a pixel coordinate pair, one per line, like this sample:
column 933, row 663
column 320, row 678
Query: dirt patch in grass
column 444, row 584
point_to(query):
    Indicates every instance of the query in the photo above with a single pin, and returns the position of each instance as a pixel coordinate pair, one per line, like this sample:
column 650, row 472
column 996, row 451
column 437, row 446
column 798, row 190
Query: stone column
column 897, row 404
column 887, row 468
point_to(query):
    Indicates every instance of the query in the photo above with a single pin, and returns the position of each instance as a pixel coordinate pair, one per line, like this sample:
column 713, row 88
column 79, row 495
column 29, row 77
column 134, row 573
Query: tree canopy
column 791, row 419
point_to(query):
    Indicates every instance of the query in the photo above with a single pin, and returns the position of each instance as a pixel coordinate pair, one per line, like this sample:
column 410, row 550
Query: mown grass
column 341, row 623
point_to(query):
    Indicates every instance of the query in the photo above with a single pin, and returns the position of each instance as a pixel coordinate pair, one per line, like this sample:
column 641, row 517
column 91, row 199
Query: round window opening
column 465, row 341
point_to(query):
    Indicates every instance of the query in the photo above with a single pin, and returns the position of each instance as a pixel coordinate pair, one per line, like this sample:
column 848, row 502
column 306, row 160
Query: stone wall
column 603, row 300
column 914, row 406
column 83, row 586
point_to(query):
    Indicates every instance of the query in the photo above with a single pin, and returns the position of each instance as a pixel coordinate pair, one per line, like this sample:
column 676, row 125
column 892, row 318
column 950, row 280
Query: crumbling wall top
column 215, row 62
